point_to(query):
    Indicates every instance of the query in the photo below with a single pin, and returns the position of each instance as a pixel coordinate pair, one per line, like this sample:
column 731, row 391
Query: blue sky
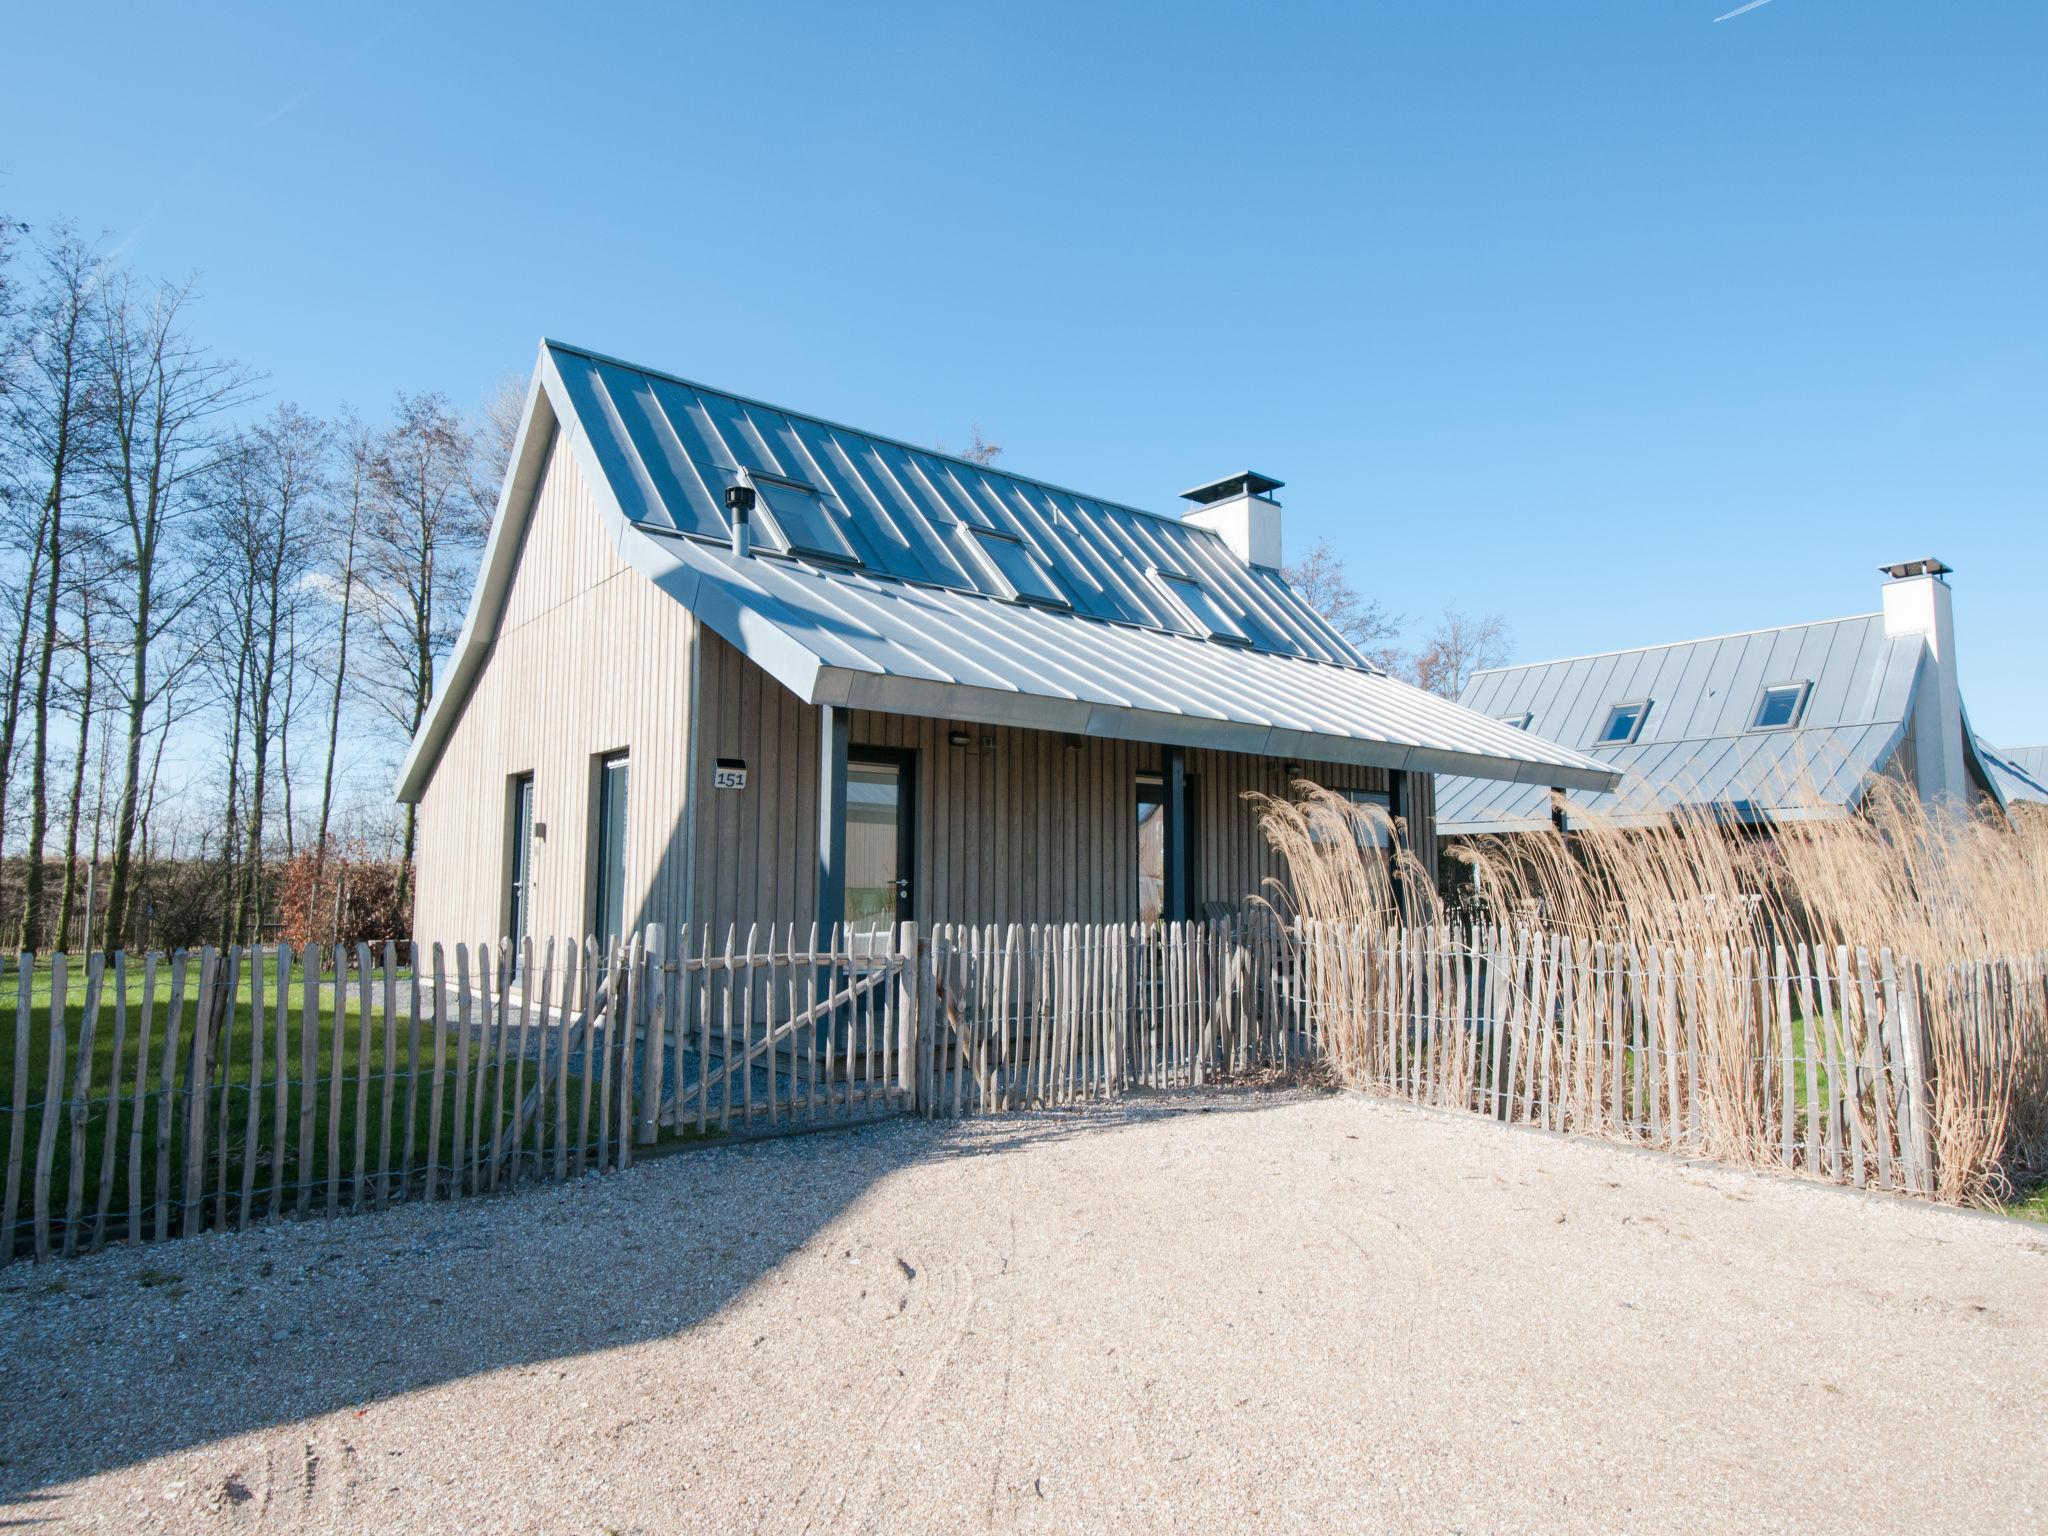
column 1625, row 323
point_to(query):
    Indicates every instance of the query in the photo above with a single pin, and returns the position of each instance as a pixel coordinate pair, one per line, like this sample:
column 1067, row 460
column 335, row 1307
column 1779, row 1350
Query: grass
column 2030, row 1205
column 380, row 1060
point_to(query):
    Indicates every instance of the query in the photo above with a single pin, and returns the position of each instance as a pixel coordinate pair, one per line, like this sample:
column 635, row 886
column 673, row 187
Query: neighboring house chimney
column 1917, row 602
column 1242, row 510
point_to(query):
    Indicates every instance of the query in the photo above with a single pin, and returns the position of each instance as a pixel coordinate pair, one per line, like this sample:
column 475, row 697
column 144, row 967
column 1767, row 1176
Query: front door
column 881, row 816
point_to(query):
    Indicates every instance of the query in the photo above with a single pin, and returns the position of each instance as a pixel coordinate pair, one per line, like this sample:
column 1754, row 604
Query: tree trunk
column 348, row 582
column 67, row 903
column 131, row 755
column 39, row 806
column 230, row 832
column 17, row 673
column 261, row 684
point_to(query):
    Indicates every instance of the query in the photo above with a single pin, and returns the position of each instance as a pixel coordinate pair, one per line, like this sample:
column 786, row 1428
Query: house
column 1769, row 725
column 2021, row 774
column 729, row 665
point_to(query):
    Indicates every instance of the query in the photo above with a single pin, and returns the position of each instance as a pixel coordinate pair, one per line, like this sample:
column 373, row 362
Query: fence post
column 654, row 1071
column 909, row 1020
column 1914, row 1053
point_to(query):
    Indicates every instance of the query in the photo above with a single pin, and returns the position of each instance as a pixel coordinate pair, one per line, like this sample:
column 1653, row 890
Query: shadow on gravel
column 138, row 1353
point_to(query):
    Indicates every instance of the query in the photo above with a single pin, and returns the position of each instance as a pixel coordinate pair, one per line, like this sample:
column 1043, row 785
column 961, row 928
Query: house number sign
column 730, row 773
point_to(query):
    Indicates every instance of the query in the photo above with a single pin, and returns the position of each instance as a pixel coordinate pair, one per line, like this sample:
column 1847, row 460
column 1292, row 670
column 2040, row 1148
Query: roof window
column 1018, row 567
column 1780, row 706
column 797, row 513
column 1210, row 617
column 1624, row 723
column 1520, row 722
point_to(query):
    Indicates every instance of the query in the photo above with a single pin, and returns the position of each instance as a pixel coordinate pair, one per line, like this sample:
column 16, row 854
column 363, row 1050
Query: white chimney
column 1240, row 508
column 1917, row 602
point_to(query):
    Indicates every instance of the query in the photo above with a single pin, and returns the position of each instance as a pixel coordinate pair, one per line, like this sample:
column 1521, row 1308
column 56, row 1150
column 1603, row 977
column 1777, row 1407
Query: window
column 608, row 866
column 1367, row 830
column 1018, row 568
column 798, row 516
column 519, row 860
column 1211, row 618
column 1779, row 706
column 1370, row 830
column 1624, row 724
column 1153, row 823
column 1520, row 722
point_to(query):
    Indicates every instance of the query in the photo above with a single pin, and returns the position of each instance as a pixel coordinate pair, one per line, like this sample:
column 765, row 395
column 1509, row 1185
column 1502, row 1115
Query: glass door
column 880, row 815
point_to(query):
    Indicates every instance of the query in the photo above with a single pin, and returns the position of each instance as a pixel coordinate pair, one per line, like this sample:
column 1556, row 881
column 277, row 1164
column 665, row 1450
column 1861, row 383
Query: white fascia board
column 538, row 424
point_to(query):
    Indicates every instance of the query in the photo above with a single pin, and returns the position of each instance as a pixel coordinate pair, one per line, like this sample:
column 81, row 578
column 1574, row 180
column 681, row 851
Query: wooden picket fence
column 222, row 1089
column 1814, row 1059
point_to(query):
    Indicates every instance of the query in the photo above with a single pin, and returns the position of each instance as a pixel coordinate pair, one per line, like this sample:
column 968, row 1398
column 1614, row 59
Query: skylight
column 1520, row 722
column 1624, row 723
column 798, row 516
column 1019, row 569
column 1780, row 706
column 1211, row 618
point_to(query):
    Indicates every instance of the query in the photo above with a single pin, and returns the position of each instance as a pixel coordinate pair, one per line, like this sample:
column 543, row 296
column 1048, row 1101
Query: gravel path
column 1284, row 1313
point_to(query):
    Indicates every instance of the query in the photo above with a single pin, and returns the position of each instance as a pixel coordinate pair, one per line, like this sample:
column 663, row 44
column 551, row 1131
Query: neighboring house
column 2021, row 773
column 727, row 665
column 1769, row 725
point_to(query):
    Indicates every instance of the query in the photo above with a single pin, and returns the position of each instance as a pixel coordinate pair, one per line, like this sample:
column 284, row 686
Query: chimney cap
column 1246, row 482
column 1928, row 567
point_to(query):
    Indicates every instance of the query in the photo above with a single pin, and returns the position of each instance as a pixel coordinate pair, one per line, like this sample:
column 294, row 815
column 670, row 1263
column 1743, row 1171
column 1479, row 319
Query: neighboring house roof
column 927, row 608
column 2032, row 761
column 2020, row 773
column 1697, row 744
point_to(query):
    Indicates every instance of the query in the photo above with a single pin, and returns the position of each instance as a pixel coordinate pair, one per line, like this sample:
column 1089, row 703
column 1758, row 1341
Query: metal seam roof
column 1696, row 745
column 916, row 628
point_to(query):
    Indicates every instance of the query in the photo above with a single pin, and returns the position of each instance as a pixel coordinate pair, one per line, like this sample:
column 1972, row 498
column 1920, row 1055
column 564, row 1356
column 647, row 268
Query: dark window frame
column 1191, row 860
column 603, row 838
column 518, row 859
column 904, row 761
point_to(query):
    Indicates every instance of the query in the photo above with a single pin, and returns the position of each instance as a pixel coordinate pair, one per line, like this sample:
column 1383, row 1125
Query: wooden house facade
column 728, row 666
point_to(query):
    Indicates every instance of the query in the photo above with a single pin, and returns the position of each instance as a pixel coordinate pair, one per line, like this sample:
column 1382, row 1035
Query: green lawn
column 370, row 1066
column 2030, row 1205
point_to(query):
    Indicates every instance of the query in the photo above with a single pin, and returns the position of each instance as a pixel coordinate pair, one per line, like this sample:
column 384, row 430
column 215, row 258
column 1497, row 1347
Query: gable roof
column 1698, row 744
column 914, row 616
column 2020, row 773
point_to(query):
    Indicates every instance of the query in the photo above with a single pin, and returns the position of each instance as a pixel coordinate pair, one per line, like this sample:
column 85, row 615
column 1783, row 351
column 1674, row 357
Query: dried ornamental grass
column 1959, row 900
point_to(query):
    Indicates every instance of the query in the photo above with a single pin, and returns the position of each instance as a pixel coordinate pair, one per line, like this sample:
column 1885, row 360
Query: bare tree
column 1459, row 646
column 52, row 417
column 84, row 579
column 426, row 523
column 358, row 459
column 165, row 397
column 271, row 525
column 497, row 431
column 1320, row 580
column 979, row 450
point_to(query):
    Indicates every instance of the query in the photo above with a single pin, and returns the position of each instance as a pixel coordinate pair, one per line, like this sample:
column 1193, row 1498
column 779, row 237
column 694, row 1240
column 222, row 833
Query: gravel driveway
column 1247, row 1312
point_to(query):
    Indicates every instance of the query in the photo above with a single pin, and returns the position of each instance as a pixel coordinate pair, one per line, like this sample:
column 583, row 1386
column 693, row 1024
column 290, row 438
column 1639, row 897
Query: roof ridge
column 1667, row 645
column 880, row 437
